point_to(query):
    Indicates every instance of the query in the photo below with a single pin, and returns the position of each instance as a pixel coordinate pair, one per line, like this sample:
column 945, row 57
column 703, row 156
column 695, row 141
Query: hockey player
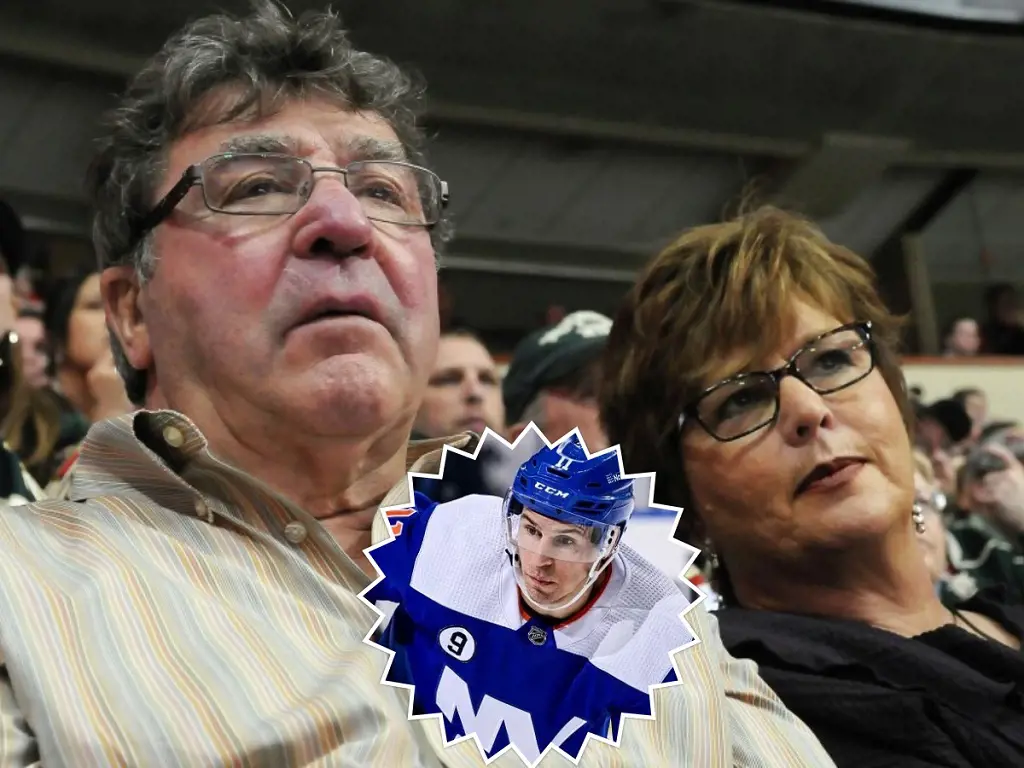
column 524, row 620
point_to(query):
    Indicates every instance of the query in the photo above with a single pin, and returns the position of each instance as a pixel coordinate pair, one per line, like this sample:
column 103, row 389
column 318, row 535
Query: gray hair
column 258, row 62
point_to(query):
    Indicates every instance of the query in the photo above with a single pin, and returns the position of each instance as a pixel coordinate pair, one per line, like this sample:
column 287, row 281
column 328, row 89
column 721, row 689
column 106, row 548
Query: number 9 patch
column 457, row 643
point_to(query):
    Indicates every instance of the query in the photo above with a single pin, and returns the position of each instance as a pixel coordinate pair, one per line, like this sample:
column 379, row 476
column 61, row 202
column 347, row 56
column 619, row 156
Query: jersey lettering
column 453, row 697
column 394, row 518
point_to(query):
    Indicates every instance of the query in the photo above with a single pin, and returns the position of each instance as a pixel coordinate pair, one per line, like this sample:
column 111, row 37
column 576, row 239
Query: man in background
column 552, row 379
column 463, row 391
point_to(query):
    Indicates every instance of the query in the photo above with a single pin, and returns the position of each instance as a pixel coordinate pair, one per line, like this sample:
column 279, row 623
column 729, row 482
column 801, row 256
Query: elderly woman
column 754, row 368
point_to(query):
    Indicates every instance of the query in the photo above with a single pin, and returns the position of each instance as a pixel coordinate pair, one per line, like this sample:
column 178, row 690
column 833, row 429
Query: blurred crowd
column 58, row 371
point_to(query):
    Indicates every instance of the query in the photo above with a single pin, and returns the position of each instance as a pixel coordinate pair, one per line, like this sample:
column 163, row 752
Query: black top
column 873, row 698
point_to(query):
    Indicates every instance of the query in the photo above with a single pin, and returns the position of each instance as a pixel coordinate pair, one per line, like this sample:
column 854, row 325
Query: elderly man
column 267, row 233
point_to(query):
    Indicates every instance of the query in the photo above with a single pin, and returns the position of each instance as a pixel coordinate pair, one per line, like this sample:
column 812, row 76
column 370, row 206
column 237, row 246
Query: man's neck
column 340, row 481
column 889, row 589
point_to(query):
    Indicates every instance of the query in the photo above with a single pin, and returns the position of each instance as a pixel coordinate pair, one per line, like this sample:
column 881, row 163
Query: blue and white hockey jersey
column 462, row 640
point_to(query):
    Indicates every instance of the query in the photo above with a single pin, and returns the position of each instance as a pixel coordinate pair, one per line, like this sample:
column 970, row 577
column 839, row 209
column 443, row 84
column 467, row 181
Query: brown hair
column 29, row 409
column 923, row 466
column 719, row 290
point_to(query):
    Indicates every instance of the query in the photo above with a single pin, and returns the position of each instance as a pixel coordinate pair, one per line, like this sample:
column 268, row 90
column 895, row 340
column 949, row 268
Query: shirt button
column 174, row 437
column 295, row 533
column 203, row 510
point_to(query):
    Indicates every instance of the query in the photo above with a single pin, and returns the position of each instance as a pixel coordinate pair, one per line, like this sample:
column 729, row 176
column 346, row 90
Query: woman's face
column 87, row 326
column 750, row 492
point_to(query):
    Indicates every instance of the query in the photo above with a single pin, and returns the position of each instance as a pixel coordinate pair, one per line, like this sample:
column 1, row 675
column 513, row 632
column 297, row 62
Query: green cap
column 550, row 354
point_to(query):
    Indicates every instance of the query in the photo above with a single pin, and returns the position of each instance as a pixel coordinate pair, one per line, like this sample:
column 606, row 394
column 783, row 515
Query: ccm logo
column 551, row 491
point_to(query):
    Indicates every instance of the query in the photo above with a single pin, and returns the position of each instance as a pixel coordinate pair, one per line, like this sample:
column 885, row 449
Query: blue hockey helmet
column 565, row 484
column 587, row 494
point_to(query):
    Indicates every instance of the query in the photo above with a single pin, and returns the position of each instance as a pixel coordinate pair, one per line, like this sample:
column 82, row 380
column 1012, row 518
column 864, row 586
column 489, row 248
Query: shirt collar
column 158, row 445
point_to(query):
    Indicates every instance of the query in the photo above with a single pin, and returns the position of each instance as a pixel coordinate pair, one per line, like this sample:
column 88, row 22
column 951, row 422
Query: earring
column 918, row 517
column 709, row 551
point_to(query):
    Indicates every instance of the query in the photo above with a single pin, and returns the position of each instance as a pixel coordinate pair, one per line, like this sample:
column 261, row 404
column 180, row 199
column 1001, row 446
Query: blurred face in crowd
column 87, row 328
column 832, row 471
column 976, row 405
column 965, row 338
column 34, row 352
column 564, row 412
column 929, row 501
column 463, row 391
column 556, row 558
column 322, row 318
column 933, row 440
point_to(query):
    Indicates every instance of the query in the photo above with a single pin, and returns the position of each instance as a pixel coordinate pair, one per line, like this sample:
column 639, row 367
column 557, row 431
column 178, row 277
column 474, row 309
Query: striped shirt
column 171, row 610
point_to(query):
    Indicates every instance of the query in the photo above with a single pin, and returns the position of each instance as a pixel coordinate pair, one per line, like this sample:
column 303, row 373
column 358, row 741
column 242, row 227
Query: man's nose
column 332, row 222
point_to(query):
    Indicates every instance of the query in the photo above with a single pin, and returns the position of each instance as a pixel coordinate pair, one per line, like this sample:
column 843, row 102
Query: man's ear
column 122, row 303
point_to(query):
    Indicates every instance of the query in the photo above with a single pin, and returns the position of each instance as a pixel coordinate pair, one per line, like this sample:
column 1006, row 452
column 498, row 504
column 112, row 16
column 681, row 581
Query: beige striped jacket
column 172, row 611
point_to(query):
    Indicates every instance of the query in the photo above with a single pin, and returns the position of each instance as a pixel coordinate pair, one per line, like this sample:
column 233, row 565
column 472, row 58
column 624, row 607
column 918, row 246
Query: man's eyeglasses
column 268, row 184
column 743, row 404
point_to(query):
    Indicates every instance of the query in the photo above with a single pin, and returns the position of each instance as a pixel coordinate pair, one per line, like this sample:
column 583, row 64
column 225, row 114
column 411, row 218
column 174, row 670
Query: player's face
column 556, row 557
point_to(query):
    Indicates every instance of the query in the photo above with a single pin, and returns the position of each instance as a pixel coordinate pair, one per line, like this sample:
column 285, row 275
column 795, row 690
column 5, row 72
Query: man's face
column 556, row 558
column 463, row 392
column 563, row 413
column 934, row 442
column 230, row 319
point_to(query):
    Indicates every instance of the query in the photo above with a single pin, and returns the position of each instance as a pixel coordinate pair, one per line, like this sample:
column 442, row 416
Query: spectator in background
column 553, row 376
column 83, row 363
column 990, row 537
column 35, row 353
column 940, row 430
column 975, row 403
column 1003, row 332
column 464, row 389
column 962, row 338
column 940, row 548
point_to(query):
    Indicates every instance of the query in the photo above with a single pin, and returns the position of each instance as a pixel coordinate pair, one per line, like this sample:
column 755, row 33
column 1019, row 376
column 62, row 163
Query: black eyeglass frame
column 193, row 175
column 777, row 375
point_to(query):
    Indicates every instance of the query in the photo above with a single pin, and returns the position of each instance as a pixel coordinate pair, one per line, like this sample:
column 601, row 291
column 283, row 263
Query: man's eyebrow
column 259, row 142
column 368, row 148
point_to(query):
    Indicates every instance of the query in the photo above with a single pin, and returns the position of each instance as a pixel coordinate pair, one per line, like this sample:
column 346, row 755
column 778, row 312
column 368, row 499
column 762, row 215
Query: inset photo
column 526, row 620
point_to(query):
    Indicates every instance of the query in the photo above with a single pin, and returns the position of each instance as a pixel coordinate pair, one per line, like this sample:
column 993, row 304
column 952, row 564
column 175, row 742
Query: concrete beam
column 828, row 179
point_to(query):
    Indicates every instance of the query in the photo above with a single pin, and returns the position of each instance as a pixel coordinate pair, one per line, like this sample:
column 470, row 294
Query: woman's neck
column 891, row 589
column 72, row 385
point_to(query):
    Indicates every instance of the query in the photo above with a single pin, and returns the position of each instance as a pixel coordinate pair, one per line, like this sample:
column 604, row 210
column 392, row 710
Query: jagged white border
column 693, row 553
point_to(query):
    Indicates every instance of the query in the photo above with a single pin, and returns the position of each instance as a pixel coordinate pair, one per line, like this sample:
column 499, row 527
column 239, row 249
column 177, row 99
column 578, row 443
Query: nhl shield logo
column 537, row 635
